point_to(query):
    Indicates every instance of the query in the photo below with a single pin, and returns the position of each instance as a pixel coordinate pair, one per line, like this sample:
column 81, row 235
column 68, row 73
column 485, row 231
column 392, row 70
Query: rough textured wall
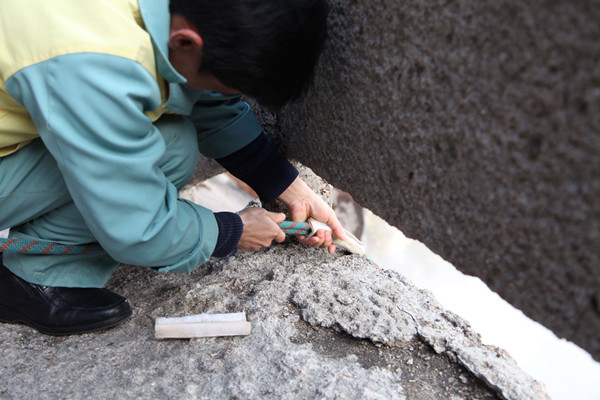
column 473, row 127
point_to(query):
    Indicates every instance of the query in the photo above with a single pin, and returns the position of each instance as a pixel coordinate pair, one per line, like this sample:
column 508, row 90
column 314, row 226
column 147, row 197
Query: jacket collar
column 157, row 18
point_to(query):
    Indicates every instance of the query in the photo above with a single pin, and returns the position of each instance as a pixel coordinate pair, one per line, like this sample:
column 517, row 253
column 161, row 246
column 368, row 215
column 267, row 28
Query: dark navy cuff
column 262, row 167
column 230, row 232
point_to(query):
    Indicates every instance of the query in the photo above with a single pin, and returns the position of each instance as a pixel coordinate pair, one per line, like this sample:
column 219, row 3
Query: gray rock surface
column 473, row 127
column 323, row 326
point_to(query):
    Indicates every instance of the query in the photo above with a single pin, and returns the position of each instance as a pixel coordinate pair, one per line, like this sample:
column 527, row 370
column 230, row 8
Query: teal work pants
column 36, row 205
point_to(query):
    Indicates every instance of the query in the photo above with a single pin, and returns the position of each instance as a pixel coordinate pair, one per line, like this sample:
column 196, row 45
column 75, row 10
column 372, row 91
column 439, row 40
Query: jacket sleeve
column 229, row 133
column 262, row 167
column 225, row 124
column 89, row 110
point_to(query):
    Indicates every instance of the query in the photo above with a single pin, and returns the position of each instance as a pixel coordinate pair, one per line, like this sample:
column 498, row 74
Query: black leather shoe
column 59, row 310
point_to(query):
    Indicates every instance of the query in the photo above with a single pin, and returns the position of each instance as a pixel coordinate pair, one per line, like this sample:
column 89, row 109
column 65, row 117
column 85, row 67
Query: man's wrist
column 230, row 231
column 297, row 189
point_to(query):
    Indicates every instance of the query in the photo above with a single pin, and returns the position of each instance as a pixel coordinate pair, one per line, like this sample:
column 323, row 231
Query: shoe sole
column 12, row 316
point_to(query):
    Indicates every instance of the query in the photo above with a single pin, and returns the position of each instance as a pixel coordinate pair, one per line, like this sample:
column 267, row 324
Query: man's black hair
column 267, row 49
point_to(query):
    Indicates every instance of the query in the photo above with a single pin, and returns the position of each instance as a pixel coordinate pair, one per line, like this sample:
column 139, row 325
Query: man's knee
column 181, row 154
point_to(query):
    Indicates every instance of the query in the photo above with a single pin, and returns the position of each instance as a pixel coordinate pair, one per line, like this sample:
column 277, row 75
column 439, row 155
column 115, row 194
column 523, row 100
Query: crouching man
column 104, row 106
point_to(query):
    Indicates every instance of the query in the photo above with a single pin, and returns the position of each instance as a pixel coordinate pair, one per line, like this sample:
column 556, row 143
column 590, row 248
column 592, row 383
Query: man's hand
column 303, row 203
column 261, row 227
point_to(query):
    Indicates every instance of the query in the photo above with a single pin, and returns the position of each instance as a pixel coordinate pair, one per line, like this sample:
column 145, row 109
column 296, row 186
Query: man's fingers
column 260, row 228
column 276, row 217
column 317, row 240
column 305, row 240
column 338, row 230
column 328, row 238
column 280, row 236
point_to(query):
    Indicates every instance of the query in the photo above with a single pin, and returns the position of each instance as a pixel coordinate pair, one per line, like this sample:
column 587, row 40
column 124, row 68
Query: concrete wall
column 475, row 128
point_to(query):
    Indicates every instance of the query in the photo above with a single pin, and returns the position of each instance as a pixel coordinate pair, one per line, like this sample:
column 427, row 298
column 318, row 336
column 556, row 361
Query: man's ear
column 185, row 39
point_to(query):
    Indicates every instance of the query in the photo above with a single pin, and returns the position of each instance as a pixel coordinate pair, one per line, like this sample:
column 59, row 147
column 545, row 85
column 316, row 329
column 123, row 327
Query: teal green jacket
column 93, row 107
